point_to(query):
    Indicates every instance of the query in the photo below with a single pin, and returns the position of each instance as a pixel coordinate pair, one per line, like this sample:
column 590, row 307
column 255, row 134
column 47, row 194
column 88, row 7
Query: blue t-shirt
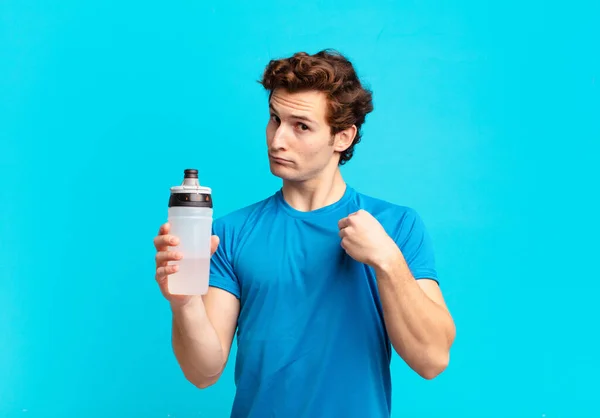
column 311, row 337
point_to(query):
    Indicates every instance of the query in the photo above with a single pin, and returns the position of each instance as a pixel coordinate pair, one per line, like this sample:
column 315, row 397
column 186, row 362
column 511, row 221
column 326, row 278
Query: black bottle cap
column 190, row 173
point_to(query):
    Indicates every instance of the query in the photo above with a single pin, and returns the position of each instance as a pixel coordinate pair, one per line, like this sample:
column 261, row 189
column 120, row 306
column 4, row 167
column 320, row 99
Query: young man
column 319, row 280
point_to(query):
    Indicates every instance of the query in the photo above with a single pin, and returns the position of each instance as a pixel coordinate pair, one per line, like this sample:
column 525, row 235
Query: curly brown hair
column 328, row 71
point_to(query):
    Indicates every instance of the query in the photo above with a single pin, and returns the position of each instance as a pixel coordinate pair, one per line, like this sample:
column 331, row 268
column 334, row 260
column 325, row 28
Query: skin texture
column 305, row 155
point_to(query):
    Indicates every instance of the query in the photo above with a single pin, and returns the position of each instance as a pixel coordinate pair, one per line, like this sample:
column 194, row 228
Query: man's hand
column 164, row 255
column 365, row 240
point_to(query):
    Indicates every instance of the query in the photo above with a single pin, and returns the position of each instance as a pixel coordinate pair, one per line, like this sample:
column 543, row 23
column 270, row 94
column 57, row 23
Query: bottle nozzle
column 190, row 177
column 190, row 193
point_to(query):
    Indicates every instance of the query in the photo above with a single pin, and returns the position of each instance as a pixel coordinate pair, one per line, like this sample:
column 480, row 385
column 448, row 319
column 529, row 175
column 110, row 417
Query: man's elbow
column 434, row 366
column 205, row 384
column 438, row 359
column 202, row 382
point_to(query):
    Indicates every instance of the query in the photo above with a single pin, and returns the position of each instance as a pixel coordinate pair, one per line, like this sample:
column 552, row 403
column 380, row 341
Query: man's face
column 299, row 138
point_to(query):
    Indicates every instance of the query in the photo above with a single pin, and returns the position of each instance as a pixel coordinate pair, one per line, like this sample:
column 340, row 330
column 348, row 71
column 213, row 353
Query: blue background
column 486, row 121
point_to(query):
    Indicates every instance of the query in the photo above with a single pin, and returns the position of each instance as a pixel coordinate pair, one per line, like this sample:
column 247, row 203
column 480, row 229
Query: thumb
column 214, row 243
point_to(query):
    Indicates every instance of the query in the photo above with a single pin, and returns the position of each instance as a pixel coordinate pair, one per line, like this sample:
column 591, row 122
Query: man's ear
column 344, row 139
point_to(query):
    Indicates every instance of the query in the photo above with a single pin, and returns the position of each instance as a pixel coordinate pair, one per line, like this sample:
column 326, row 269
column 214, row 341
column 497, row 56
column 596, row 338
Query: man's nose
column 279, row 138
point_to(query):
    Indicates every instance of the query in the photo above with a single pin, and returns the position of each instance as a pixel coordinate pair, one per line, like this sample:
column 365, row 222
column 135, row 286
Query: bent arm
column 417, row 320
column 202, row 335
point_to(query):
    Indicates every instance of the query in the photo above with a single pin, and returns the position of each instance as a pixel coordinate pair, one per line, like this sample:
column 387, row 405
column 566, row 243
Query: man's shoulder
column 378, row 206
column 240, row 217
column 401, row 222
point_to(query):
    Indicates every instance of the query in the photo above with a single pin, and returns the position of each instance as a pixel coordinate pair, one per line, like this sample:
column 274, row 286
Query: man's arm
column 202, row 335
column 416, row 317
column 415, row 314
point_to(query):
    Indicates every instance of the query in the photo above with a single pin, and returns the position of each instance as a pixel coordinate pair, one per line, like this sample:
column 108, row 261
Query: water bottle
column 190, row 216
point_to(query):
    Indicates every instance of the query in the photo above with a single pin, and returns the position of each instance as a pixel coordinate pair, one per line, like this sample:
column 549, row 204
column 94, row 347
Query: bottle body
column 193, row 227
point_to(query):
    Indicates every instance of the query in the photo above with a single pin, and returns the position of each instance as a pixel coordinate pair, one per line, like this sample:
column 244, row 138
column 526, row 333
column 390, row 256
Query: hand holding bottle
column 166, row 252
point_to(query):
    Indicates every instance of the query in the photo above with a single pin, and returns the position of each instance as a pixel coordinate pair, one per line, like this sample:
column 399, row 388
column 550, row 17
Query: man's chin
column 282, row 172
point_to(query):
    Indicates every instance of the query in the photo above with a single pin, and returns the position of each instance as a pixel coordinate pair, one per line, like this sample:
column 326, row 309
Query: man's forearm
column 420, row 330
column 196, row 344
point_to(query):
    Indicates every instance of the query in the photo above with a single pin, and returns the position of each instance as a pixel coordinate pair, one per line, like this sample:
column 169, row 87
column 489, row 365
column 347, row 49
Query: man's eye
column 275, row 118
column 303, row 127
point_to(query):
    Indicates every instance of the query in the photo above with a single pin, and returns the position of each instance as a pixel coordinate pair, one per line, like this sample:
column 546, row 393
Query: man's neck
column 315, row 193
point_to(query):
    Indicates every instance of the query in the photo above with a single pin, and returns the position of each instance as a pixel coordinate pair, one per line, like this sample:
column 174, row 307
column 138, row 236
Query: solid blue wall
column 486, row 121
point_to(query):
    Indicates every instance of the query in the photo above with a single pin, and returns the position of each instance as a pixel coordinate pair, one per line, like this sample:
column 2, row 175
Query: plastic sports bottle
column 190, row 216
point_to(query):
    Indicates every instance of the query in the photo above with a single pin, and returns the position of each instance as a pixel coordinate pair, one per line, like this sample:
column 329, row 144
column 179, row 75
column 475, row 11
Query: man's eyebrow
column 299, row 117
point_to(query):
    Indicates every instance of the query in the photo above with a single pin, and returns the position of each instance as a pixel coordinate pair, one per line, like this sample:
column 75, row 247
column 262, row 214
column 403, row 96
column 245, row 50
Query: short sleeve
column 416, row 245
column 222, row 274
